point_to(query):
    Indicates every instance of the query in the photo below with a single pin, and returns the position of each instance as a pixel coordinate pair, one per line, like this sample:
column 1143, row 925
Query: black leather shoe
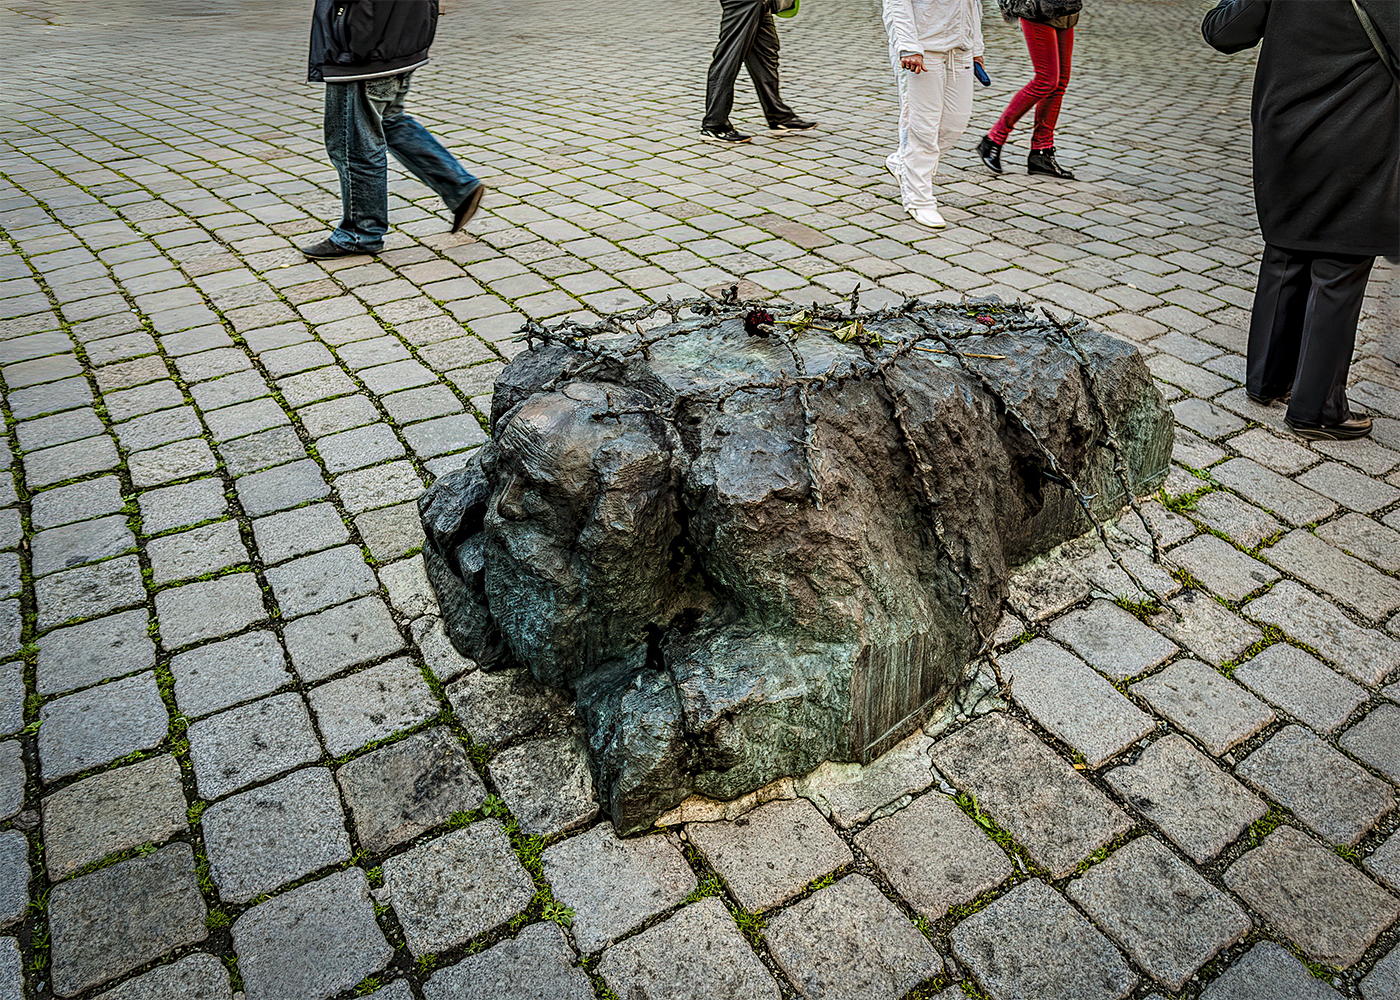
column 468, row 208
column 1347, row 430
column 1269, row 400
column 991, row 154
column 793, row 125
column 1042, row 161
column 328, row 249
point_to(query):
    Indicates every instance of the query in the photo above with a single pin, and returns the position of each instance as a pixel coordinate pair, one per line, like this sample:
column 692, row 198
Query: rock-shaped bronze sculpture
column 749, row 546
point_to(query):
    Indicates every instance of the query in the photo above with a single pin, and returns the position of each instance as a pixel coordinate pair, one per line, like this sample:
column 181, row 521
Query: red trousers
column 1050, row 50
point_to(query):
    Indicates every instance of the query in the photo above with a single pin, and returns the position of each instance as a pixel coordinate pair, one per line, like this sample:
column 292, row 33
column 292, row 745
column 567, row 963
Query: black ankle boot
column 1042, row 161
column 991, row 154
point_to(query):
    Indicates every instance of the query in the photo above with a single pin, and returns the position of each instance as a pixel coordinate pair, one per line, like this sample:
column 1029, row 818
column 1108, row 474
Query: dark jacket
column 364, row 39
column 1056, row 13
column 1326, row 117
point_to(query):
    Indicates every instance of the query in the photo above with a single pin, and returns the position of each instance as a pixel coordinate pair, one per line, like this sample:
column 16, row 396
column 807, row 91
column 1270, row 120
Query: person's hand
column 979, row 62
column 914, row 63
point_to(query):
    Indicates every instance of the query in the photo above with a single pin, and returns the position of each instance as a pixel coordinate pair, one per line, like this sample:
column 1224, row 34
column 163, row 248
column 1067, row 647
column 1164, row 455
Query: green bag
column 784, row 8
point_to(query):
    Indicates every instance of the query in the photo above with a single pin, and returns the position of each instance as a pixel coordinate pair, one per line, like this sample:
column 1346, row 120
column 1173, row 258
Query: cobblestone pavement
column 240, row 754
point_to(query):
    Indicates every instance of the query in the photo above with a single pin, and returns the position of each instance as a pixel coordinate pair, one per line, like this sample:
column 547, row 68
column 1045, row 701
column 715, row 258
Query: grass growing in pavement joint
column 1266, row 824
column 217, row 919
column 708, row 886
column 1140, row 609
column 751, row 925
column 968, row 804
column 1020, row 640
column 1272, row 636
column 972, row 991
column 367, row 986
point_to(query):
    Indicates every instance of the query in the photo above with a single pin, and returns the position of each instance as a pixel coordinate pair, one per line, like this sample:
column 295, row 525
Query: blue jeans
column 363, row 119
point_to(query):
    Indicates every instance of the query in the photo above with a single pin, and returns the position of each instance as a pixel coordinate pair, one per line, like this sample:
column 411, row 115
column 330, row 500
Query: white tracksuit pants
column 934, row 109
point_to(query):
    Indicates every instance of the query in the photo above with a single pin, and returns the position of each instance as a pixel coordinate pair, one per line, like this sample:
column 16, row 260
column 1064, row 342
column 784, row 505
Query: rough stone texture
column 769, row 855
column 268, row 836
column 341, row 637
column 251, row 743
column 1306, row 689
column 99, row 725
column 1031, row 943
column 371, row 705
column 1224, row 569
column 311, row 943
column 208, row 609
column 1206, row 628
column 14, row 876
column 207, row 549
column 317, row 581
column 12, row 778
column 1199, row 807
column 407, row 788
column 1376, row 740
column 1350, row 581
column 221, row 674
column 1328, row 792
column 451, row 889
column 93, row 651
column 847, row 666
column 848, row 940
column 74, row 544
column 410, row 593
column 109, row 922
column 1167, row 918
column 195, row 977
column 1039, row 799
column 296, row 532
column 1365, row 654
column 1112, row 640
column 612, row 884
column 1268, row 972
column 1295, row 504
column 1072, row 701
column 1206, row 704
column 934, row 855
column 88, row 591
column 849, row 794
column 1383, row 982
column 1314, row 898
column 501, row 707
column 1384, row 862
column 534, row 965
column 112, row 811
column 696, row 953
column 547, row 783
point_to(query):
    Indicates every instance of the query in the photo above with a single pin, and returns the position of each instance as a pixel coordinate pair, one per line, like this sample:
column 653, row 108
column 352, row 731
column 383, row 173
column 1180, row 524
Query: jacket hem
column 350, row 74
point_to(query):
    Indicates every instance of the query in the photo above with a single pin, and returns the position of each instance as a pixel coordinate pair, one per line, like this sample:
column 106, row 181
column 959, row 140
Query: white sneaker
column 928, row 217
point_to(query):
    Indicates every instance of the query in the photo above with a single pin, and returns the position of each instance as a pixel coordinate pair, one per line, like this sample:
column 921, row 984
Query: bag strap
column 1375, row 38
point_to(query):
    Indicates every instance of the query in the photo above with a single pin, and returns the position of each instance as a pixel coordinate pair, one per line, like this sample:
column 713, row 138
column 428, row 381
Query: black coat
column 1326, row 117
column 363, row 39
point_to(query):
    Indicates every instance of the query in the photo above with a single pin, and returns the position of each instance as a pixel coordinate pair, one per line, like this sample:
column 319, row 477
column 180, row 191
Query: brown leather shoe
column 1347, row 430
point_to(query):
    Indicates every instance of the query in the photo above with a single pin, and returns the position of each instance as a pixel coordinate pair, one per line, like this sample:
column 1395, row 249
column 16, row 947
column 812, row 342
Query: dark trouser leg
column 762, row 64
column 356, row 146
column 1329, row 336
column 738, row 23
column 1276, row 325
column 415, row 147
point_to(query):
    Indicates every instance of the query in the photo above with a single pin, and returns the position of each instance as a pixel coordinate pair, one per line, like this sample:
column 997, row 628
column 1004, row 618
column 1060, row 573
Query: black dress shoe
column 1282, row 397
column 991, row 154
column 328, row 249
column 468, row 208
column 1347, row 430
column 1042, row 161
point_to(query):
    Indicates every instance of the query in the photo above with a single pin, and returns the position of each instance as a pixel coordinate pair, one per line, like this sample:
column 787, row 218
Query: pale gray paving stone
column 849, row 794
column 381, row 486
column 1072, row 701
column 1365, row 654
column 251, row 743
column 1031, row 943
column 1273, row 451
column 1362, row 537
column 1208, row 629
column 245, row 418
column 112, row 811
column 171, row 462
column 537, row 964
column 371, row 705
column 1346, row 579
column 848, row 940
column 439, row 655
column 281, row 487
column 45, row 432
column 79, row 502
column 1268, row 972
column 410, row 593
column 298, row 532
column 262, row 450
column 934, row 855
column 49, row 398
column 84, row 654
column 311, row 943
column 271, row 835
column 1312, row 897
column 1305, row 688
column 89, row 591
column 315, row 582
column 358, row 448
column 1245, row 523
column 409, row 787
column 99, row 725
column 444, row 435
column 182, row 505
column 128, row 403
column 1112, row 641
column 1352, row 489
column 501, row 706
column 308, row 387
column 1384, row 862
column 390, row 532
column 121, row 917
column 1048, row 807
column 1296, row 504
column 698, row 952
column 1206, row 704
column 341, row 637
column 1383, row 981
column 70, row 461
column 220, row 674
column 768, row 855
column 11, row 970
column 1375, row 740
column 39, row 370
column 197, row 552
column 1199, row 807
column 14, row 876
column 12, row 698
column 156, row 429
column 199, row 976
column 338, row 414
column 547, row 783
column 1328, row 792
column 1167, row 918
column 615, row 884
column 12, row 778
column 1044, row 588
column 228, row 390
column 1224, row 569
column 452, row 888
column 208, row 609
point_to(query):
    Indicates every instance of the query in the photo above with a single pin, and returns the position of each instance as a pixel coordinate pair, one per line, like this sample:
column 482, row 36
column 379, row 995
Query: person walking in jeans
column 1049, row 29
column 365, row 51
column 747, row 37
